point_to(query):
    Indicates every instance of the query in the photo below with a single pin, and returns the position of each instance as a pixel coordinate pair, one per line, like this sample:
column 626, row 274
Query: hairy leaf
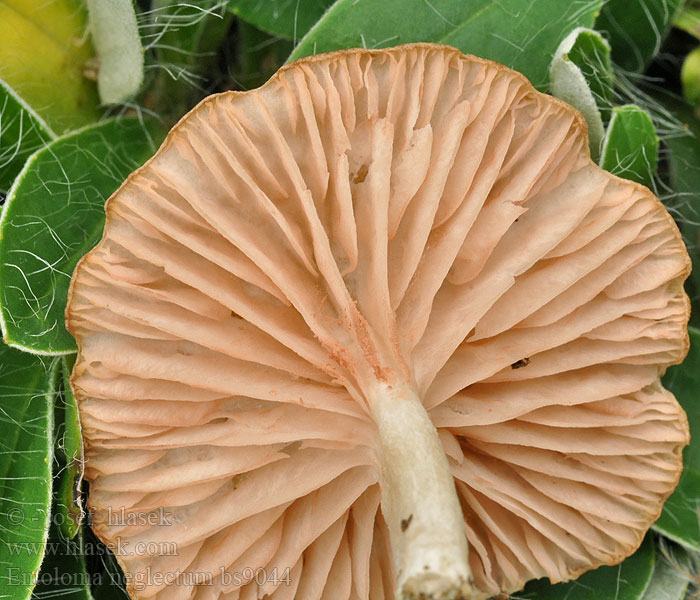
column 631, row 146
column 670, row 580
column 680, row 519
column 63, row 572
column 290, row 19
column 636, row 28
column 53, row 216
column 683, row 155
column 22, row 132
column 186, row 37
column 115, row 35
column 258, row 56
column 569, row 82
column 27, row 388
column 590, row 52
column 67, row 497
column 521, row 34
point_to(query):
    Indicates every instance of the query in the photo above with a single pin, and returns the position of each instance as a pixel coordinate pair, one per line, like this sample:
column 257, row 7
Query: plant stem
column 419, row 501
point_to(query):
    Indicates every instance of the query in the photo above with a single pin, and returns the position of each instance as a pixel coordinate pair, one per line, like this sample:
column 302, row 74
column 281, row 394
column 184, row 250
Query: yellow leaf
column 44, row 51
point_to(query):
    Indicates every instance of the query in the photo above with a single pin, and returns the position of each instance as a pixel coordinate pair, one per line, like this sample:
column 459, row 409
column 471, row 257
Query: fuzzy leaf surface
column 521, row 34
column 631, row 146
column 27, row 389
column 22, row 132
column 52, row 217
column 67, row 496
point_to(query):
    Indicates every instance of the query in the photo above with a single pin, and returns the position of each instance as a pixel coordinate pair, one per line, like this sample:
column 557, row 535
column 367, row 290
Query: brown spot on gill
column 523, row 362
column 361, row 174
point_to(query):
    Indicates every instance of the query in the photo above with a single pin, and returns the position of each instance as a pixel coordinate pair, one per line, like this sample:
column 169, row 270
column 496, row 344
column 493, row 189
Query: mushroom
column 378, row 329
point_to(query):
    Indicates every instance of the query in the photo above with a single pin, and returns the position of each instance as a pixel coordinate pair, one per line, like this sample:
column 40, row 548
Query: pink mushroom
column 378, row 329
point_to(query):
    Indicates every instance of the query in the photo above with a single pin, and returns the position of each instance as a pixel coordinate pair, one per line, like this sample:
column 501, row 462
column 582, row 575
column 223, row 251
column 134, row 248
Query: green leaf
column 27, row 388
column 626, row 581
column 669, row 581
column 680, row 519
column 43, row 54
column 631, row 146
column 68, row 499
column 187, row 33
column 684, row 381
column 258, row 56
column 591, row 54
column 186, row 39
column 636, row 29
column 63, row 572
column 569, row 82
column 22, row 132
column 52, row 216
column 290, row 19
column 521, row 34
column 666, row 583
column 109, row 582
column 683, row 154
column 115, row 34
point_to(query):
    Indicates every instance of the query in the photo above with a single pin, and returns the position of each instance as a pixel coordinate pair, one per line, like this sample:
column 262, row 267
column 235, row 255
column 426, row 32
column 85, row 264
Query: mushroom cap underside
column 407, row 215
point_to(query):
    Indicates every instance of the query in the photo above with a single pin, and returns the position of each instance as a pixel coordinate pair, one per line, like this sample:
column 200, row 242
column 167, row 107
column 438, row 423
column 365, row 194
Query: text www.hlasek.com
column 119, row 548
